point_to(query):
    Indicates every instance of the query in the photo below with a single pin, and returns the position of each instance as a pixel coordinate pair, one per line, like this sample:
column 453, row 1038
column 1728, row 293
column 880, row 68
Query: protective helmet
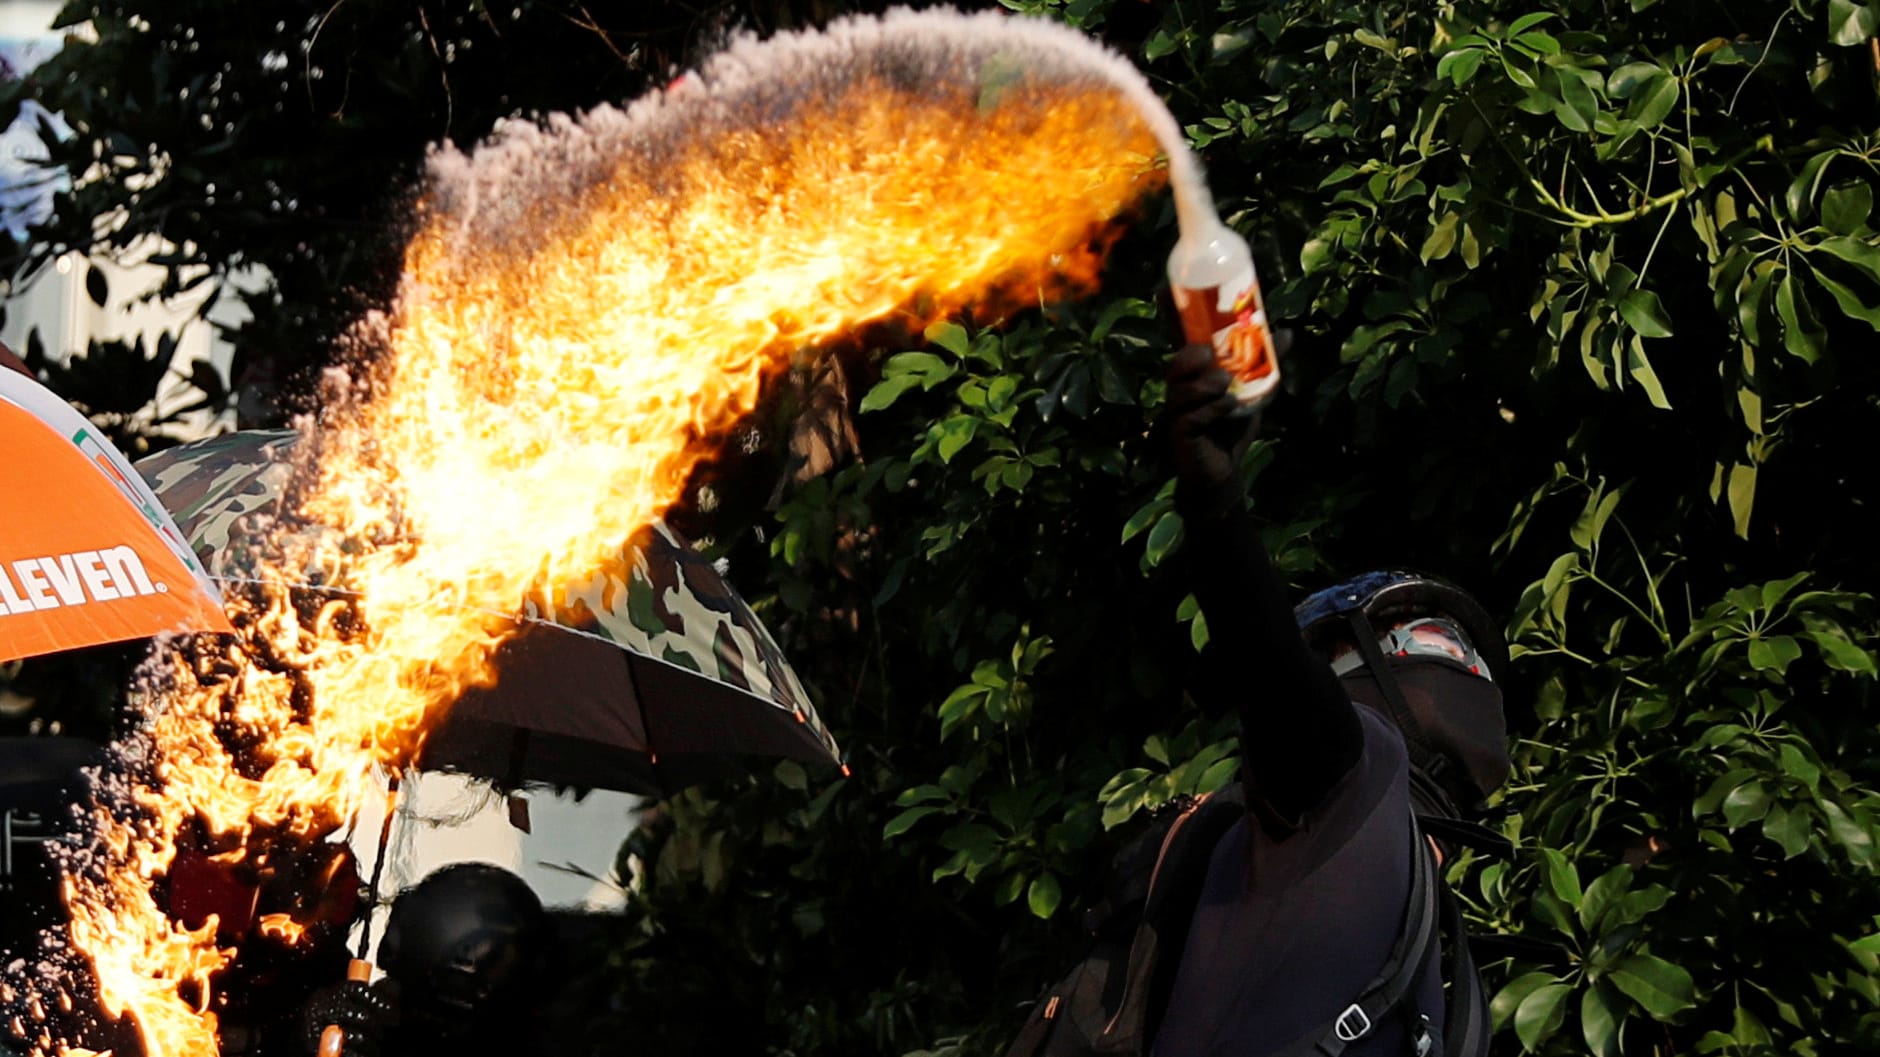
column 1450, row 713
column 467, row 943
column 1386, row 597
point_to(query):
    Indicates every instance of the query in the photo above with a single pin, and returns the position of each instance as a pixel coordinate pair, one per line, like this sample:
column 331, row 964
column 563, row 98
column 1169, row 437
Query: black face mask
column 1461, row 740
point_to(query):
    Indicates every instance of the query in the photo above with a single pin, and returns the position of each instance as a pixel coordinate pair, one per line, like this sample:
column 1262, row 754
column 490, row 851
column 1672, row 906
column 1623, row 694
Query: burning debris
column 588, row 308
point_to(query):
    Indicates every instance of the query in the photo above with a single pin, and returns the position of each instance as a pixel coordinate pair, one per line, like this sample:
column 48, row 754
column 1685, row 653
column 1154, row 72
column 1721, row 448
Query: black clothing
column 1289, row 929
column 1299, row 734
column 1304, row 899
column 1299, row 730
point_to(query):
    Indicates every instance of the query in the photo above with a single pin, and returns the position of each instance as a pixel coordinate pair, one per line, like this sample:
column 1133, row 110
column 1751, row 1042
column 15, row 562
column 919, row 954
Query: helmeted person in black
column 465, row 955
column 1305, row 895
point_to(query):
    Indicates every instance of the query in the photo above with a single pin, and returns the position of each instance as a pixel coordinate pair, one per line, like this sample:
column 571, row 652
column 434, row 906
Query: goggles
column 1423, row 637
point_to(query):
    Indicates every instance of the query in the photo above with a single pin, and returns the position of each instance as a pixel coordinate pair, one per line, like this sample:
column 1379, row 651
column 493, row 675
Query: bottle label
column 1232, row 318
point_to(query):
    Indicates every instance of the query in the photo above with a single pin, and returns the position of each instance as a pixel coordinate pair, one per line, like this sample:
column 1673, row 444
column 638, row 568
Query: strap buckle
column 1353, row 1024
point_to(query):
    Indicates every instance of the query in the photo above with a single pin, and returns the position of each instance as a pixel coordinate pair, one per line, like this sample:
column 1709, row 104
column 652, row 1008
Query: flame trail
column 586, row 307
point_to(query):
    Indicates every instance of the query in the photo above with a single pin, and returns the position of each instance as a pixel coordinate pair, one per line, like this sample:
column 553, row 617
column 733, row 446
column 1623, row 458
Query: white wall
column 55, row 302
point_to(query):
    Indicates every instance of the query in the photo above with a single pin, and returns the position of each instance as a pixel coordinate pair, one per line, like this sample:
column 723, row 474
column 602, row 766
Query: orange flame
column 560, row 359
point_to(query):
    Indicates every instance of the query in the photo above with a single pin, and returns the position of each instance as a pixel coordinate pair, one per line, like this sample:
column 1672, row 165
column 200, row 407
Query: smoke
column 754, row 87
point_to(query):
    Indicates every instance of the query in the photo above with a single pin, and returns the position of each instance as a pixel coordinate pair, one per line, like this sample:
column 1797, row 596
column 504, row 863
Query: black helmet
column 1451, row 720
column 466, row 943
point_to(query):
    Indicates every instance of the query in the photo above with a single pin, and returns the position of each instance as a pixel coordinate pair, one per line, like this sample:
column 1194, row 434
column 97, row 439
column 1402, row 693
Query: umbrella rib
column 378, row 863
column 646, row 726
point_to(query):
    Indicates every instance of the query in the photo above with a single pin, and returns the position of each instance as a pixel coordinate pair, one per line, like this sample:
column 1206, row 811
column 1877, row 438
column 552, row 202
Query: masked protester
column 465, row 955
column 1373, row 703
column 1300, row 913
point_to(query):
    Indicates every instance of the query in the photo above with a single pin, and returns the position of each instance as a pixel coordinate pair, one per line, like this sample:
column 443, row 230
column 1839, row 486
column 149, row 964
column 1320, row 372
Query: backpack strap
column 1468, row 834
column 1466, row 1028
column 1175, row 882
column 1390, row 989
column 1422, row 755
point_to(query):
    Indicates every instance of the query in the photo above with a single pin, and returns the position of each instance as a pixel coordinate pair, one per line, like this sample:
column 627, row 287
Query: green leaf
column 1773, row 654
column 1218, row 775
column 1626, row 81
column 1853, row 835
column 1867, row 946
column 1712, row 797
column 1602, row 894
column 1599, row 1022
column 1570, row 116
column 1800, row 196
column 1578, row 95
column 1862, row 255
column 1314, row 255
column 1515, row 72
column 920, row 794
column 1541, row 1014
column 1591, row 523
column 1664, row 990
column 1654, row 104
column 1562, row 877
column 1850, row 23
column 954, row 434
column 949, row 336
column 1538, row 42
column 1441, row 240
column 1527, row 22
column 1640, row 369
column 1742, row 495
column 1635, row 906
column 905, row 821
column 1796, row 764
column 887, row 391
column 1746, row 803
column 1163, row 538
column 1372, row 40
column 1645, row 314
column 1788, row 829
column 1842, row 653
column 1000, row 392
column 1501, row 1010
column 1045, row 895
column 1845, row 208
column 1460, row 65
column 977, row 841
column 790, row 775
column 1851, row 304
column 1749, row 306
column 1799, row 334
column 923, row 366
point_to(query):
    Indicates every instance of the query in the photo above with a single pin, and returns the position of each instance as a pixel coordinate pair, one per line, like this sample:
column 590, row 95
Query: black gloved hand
column 1208, row 430
column 367, row 1013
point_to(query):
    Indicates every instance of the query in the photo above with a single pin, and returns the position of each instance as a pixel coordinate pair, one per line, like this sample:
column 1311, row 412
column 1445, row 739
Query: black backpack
column 1111, row 1002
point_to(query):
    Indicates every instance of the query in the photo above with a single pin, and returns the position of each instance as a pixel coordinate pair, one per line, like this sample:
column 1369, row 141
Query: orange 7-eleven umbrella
column 87, row 553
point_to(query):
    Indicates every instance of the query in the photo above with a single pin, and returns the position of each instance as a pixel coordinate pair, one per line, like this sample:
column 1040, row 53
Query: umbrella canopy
column 653, row 676
column 87, row 554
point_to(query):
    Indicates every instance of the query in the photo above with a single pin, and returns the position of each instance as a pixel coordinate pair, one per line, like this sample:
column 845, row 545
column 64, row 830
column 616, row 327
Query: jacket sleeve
column 1299, row 731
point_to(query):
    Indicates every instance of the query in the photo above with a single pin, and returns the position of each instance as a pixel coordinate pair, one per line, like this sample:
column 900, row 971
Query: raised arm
column 1299, row 733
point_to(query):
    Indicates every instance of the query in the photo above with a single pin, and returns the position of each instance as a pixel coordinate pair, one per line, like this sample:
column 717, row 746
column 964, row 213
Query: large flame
column 587, row 307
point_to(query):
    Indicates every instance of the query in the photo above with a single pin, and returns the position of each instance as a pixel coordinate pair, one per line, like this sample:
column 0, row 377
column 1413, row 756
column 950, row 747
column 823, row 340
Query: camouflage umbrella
column 654, row 676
